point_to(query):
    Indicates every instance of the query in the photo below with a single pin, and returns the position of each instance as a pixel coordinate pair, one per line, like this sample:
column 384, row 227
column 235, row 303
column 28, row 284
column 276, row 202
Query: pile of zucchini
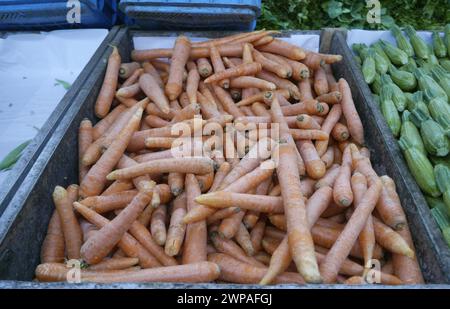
column 411, row 84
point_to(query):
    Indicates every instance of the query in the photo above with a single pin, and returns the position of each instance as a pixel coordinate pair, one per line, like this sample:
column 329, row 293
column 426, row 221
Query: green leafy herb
column 12, row 157
column 63, row 83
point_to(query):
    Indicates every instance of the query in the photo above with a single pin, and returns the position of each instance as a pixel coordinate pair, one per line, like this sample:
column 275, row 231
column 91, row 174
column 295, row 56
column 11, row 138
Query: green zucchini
column 440, row 160
column 381, row 65
column 411, row 135
column 427, row 82
column 410, row 66
column 421, row 169
column 389, row 110
column 368, row 68
column 434, row 138
column 438, row 45
column 361, row 49
column 419, row 110
column 440, row 111
column 443, row 221
column 402, row 42
column 379, row 49
column 376, row 84
column 398, row 96
column 396, row 55
column 442, row 174
column 419, row 45
column 405, row 80
column 442, row 78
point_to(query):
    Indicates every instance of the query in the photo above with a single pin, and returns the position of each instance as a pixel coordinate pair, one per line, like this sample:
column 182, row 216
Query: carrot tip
column 345, row 202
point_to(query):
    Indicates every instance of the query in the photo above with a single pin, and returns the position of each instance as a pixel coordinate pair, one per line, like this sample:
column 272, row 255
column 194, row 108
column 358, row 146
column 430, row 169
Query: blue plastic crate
column 193, row 14
column 52, row 14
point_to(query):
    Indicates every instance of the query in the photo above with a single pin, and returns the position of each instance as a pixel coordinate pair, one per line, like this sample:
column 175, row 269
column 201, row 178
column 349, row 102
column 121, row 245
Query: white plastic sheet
column 369, row 37
column 30, row 63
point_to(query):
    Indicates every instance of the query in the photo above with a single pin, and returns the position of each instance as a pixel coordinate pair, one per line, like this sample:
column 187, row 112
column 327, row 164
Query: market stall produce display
column 411, row 84
column 290, row 204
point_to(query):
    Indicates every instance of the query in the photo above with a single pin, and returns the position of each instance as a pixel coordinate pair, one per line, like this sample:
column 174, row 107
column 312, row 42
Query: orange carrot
column 279, row 221
column 52, row 250
column 195, row 273
column 305, row 121
column 367, row 236
column 102, row 242
column 94, row 182
column 251, row 82
column 102, row 126
column 155, row 121
column 305, row 89
column 328, row 157
column 406, row 268
column 315, row 168
column 342, row 247
column 320, row 82
column 391, row 240
column 301, row 134
column 204, row 67
column 196, row 234
column 218, row 66
column 263, row 257
column 283, row 48
column 313, row 60
column 158, row 225
column 153, row 109
column 280, row 83
column 186, row 113
column 327, row 126
column 309, row 106
column 264, row 96
column 105, row 203
column 195, row 165
column 69, row 223
column 252, row 217
column 389, row 206
column 118, row 186
column 230, row 225
column 152, row 90
column 232, row 249
column 263, row 41
column 257, row 234
column 127, row 69
column 208, row 108
column 259, row 109
column 179, row 59
column 227, row 102
column 281, row 70
column 150, row 69
column 192, row 83
column 354, row 124
column 176, row 183
column 205, row 181
column 222, row 214
column 236, row 71
column 106, row 94
column 333, row 97
column 342, row 190
column 177, row 228
column 127, row 243
column 300, row 240
column 329, row 178
column 243, row 239
column 133, row 78
column 85, row 137
column 340, row 132
column 129, row 91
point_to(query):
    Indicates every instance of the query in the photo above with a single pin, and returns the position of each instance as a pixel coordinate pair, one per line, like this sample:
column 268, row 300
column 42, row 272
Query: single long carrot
column 105, row 203
column 227, row 102
column 243, row 239
column 208, row 108
column 389, row 206
column 235, row 271
column 152, row 90
column 196, row 234
column 218, row 66
column 342, row 190
column 95, row 180
column 139, row 182
column 280, row 83
column 158, row 224
column 320, row 82
column 329, row 178
column 264, row 96
column 106, row 94
column 85, row 138
column 327, row 126
column 176, row 183
column 195, row 165
column 150, row 69
column 328, row 157
column 257, row 234
column 69, row 223
column 367, row 236
column 283, row 48
column 237, row 71
column 391, row 240
column 260, row 203
column 133, row 78
column 194, row 273
column 251, row 217
column 153, row 109
column 186, row 113
column 129, row 91
column 301, row 134
column 177, row 228
column 251, row 82
column 340, row 132
column 354, row 123
column 340, row 250
column 192, row 83
column 300, row 240
column 118, row 186
column 100, row 244
column 305, row 88
column 52, row 250
column 130, row 246
column 179, row 59
column 154, row 121
column 222, row 214
column 333, row 97
column 315, row 168
column 308, row 106
column 281, row 70
column 305, row 121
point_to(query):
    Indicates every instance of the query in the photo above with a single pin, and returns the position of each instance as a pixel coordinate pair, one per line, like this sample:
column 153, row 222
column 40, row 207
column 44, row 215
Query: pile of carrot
column 239, row 159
